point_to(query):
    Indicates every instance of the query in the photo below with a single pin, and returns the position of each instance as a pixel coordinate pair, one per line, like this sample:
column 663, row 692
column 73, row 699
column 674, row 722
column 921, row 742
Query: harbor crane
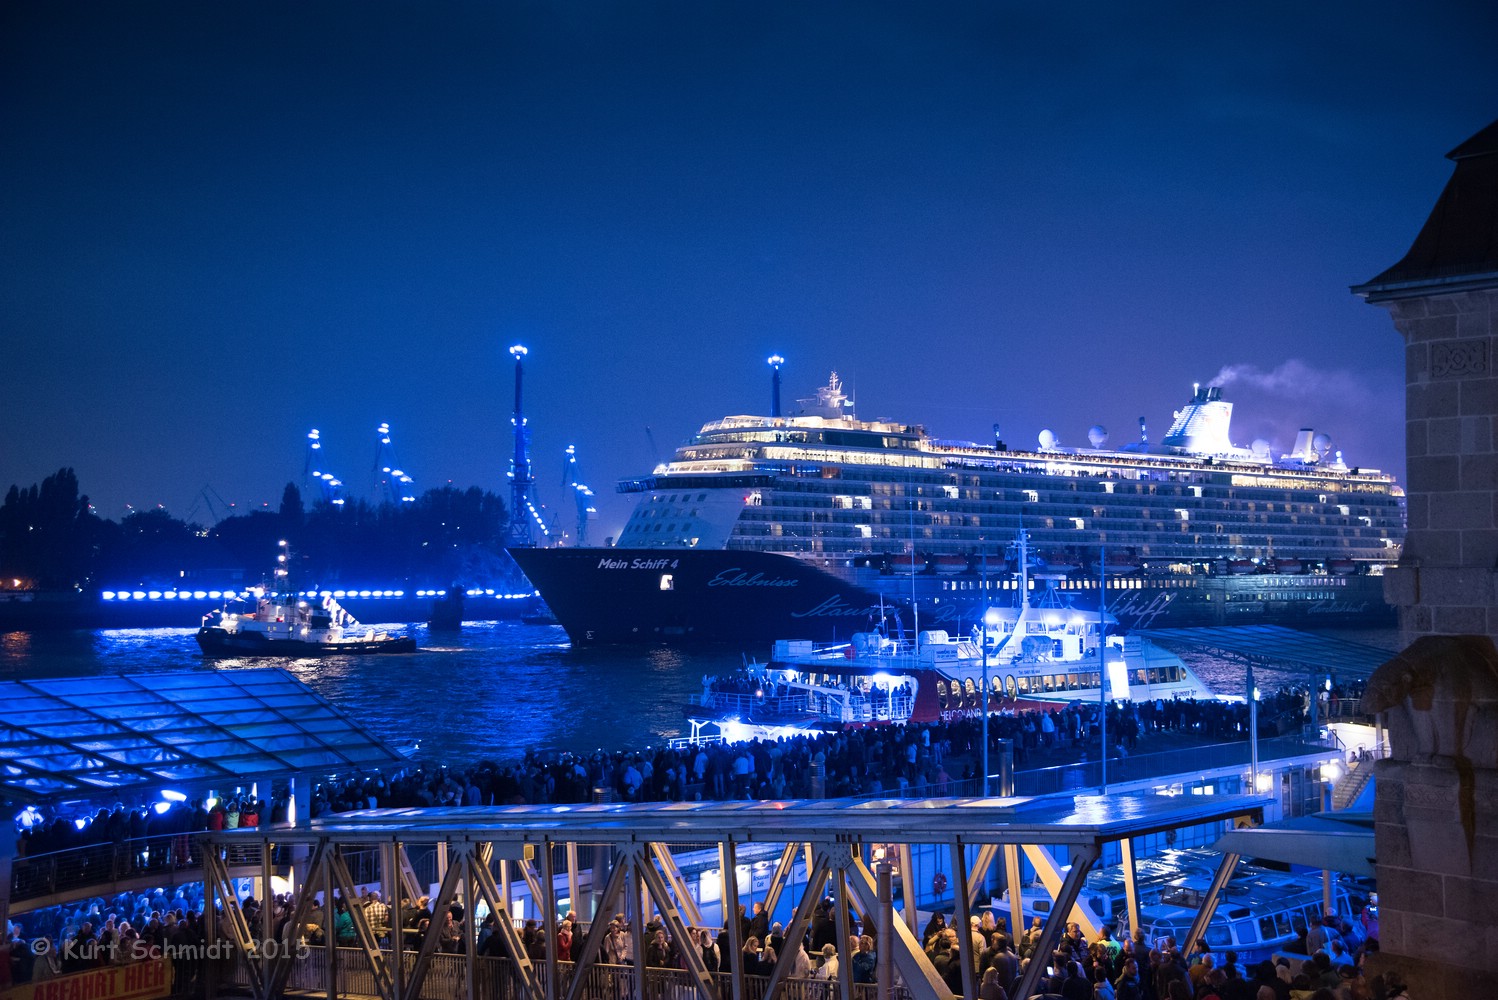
column 392, row 485
column 572, row 476
column 327, row 486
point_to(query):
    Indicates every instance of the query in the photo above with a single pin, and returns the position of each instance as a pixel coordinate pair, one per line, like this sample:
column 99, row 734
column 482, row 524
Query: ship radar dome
column 1047, row 439
column 1097, row 435
column 1260, row 448
column 1321, row 444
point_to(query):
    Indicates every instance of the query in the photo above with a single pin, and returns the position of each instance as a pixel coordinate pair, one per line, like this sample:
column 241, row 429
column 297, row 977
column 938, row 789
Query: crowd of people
column 894, row 760
column 936, row 757
column 120, row 930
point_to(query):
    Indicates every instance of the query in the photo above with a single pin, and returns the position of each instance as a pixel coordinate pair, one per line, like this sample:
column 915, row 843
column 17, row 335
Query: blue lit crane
column 391, row 484
column 572, row 476
column 327, row 485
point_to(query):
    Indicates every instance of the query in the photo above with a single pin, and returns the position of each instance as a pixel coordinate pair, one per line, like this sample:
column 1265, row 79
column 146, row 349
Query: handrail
column 39, row 875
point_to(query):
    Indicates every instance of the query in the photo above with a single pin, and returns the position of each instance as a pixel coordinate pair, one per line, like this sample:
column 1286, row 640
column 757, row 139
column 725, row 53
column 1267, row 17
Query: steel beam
column 523, row 970
column 906, row 952
column 1050, row 876
column 1083, row 857
column 960, row 916
column 1209, row 905
column 344, row 882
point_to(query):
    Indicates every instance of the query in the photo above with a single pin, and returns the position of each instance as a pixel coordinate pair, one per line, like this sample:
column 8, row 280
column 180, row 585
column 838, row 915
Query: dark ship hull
column 696, row 596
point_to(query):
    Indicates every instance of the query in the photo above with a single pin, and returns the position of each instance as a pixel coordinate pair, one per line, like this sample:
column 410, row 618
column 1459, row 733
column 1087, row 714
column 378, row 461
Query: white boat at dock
column 1024, row 654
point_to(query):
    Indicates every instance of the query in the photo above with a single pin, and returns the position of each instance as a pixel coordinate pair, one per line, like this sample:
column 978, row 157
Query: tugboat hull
column 221, row 642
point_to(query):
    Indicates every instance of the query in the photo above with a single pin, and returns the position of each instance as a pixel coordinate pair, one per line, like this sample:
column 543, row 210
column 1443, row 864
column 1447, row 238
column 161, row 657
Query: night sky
column 223, row 224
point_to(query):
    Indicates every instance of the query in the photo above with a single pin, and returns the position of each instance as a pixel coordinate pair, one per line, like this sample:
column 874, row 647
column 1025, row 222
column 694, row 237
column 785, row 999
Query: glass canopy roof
column 72, row 736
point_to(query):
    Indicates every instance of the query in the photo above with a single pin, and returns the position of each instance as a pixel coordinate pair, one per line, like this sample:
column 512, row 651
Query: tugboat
column 285, row 625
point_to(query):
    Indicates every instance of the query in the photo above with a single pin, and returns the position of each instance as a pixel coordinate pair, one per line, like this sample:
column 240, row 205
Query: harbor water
column 494, row 690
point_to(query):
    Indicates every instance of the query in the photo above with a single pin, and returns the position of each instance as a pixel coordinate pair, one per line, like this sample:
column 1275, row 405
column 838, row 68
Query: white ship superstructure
column 826, row 484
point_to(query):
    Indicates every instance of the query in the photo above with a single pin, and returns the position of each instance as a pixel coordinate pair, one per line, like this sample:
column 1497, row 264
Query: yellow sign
column 136, row 981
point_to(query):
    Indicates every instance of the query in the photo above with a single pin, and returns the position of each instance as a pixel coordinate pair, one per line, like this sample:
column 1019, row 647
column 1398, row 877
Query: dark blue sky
column 223, row 224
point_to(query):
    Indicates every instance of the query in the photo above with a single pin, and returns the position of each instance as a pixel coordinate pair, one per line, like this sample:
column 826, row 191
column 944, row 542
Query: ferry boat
column 1032, row 653
column 1256, row 913
column 283, row 625
column 766, row 526
column 1104, row 898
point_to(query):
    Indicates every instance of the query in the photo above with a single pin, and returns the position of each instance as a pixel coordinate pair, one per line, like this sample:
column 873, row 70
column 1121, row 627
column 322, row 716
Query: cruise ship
column 818, row 524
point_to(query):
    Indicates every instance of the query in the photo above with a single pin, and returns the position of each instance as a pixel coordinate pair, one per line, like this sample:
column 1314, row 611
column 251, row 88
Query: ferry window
column 668, row 582
column 1243, row 931
column 1154, row 675
column 1009, row 685
column 941, row 693
column 1218, row 935
column 1024, row 685
column 1266, row 929
column 1049, row 680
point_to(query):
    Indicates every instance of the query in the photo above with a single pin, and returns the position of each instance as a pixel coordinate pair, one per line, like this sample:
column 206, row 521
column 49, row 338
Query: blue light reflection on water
column 493, row 690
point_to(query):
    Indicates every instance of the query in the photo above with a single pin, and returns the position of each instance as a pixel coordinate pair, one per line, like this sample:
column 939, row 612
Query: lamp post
column 1253, row 731
column 983, row 641
column 1102, row 657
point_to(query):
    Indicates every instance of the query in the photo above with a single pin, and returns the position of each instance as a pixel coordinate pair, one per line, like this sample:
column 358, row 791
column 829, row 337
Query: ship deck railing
column 824, row 703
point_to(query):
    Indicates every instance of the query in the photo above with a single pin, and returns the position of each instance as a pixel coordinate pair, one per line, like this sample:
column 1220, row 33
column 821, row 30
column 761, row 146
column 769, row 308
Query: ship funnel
column 1201, row 426
column 1305, row 446
column 775, row 361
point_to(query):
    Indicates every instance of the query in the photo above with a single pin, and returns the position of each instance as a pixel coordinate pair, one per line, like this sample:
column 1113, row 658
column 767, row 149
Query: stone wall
column 1445, row 582
column 1436, row 817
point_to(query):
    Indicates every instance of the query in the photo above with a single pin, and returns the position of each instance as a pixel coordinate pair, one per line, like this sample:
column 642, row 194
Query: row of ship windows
column 1156, row 583
column 1182, row 525
column 1067, row 505
column 1309, row 503
column 1114, row 534
column 829, row 462
column 963, row 694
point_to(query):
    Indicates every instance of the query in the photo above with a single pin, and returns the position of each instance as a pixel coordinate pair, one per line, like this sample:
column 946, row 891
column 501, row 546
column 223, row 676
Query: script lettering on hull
column 736, row 577
column 836, row 607
column 1142, row 612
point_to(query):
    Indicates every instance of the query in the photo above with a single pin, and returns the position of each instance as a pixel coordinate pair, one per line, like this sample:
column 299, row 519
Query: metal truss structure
column 484, row 854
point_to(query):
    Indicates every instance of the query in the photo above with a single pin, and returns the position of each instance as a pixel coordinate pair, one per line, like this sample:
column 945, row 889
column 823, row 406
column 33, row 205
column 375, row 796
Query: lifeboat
column 907, row 564
column 1056, row 563
column 950, row 565
column 1116, row 565
column 1242, row 567
column 1289, row 566
column 1341, row 567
